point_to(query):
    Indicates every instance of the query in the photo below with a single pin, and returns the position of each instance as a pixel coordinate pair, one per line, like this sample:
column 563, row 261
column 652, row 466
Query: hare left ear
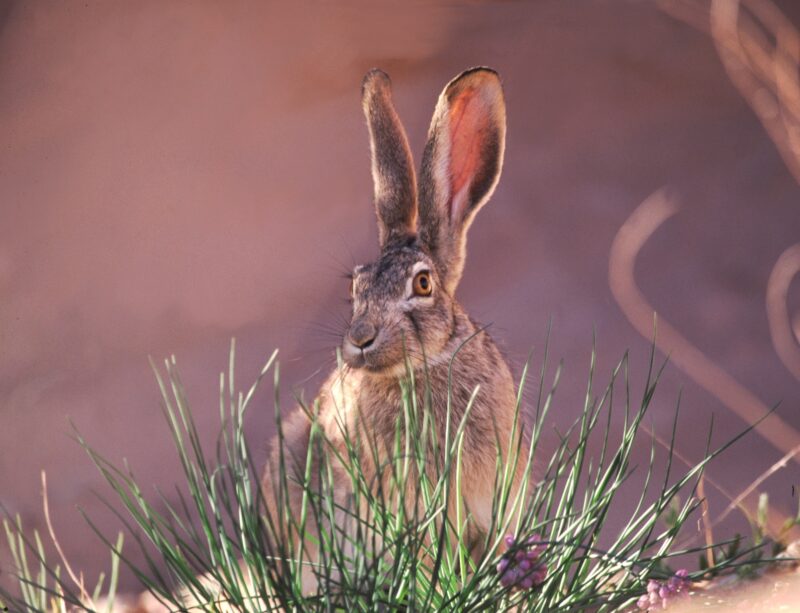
column 461, row 165
column 392, row 166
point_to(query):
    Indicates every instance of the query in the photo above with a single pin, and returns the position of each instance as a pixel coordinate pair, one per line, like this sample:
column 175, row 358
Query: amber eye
column 423, row 284
column 352, row 289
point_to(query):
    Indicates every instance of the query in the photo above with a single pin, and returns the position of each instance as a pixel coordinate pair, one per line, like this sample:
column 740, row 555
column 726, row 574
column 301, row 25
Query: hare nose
column 363, row 334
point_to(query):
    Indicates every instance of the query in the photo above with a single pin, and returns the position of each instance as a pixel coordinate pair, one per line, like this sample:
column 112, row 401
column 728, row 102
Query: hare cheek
column 415, row 302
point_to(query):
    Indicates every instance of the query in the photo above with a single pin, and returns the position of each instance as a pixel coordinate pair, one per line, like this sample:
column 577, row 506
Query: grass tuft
column 389, row 545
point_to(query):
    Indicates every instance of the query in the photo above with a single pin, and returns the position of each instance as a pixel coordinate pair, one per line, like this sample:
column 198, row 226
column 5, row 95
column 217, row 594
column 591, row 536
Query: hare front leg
column 286, row 497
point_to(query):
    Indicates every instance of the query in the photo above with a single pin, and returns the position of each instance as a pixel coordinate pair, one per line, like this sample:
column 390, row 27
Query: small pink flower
column 521, row 569
column 661, row 593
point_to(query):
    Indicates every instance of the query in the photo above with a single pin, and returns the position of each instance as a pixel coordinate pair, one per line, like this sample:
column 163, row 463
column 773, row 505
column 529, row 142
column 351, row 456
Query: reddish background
column 175, row 174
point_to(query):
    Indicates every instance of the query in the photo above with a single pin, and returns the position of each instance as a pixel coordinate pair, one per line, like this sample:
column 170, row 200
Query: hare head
column 403, row 303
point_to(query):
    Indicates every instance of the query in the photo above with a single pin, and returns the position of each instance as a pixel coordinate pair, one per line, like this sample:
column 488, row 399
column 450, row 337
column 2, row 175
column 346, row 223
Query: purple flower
column 661, row 593
column 520, row 567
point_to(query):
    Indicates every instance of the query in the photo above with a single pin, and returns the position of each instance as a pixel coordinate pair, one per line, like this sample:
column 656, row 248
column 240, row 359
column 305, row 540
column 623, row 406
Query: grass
column 390, row 546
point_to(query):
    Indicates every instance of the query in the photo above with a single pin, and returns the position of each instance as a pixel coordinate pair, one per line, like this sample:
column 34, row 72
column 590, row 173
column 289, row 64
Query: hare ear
column 461, row 165
column 392, row 165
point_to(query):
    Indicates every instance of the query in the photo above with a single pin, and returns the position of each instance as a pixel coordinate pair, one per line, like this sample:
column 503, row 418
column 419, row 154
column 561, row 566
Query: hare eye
column 352, row 289
column 423, row 285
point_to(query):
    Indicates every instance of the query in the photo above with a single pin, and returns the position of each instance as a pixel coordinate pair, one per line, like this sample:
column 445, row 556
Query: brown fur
column 460, row 168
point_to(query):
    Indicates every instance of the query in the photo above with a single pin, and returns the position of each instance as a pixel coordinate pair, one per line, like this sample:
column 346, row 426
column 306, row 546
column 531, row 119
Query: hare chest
column 372, row 413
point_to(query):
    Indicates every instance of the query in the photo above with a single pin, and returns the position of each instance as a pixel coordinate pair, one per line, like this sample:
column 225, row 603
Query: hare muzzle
column 358, row 343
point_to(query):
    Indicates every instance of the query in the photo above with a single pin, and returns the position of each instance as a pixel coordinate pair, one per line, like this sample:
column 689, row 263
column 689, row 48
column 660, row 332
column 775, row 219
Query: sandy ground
column 172, row 175
column 776, row 592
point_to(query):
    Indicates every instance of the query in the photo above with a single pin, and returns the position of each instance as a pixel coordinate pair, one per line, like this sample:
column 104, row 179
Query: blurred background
column 176, row 174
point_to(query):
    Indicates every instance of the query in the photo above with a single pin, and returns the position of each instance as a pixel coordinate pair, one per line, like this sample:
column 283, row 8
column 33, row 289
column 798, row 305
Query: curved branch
column 781, row 326
column 765, row 75
column 630, row 238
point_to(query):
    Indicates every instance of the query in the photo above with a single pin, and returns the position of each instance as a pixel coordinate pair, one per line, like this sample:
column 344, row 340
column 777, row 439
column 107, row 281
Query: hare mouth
column 354, row 356
column 372, row 359
column 355, row 359
column 368, row 360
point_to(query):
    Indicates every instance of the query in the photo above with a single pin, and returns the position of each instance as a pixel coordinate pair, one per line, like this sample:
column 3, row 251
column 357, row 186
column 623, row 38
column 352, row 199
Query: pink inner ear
column 469, row 120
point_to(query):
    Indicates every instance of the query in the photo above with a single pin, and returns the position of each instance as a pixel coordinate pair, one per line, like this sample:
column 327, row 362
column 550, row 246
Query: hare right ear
column 461, row 165
column 392, row 166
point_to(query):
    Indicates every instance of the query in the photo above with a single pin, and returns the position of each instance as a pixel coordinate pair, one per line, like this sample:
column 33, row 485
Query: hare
column 404, row 311
column 404, row 315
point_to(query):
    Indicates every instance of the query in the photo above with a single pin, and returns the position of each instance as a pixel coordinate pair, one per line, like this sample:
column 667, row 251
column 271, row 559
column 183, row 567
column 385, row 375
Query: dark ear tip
column 375, row 80
column 478, row 70
column 477, row 76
